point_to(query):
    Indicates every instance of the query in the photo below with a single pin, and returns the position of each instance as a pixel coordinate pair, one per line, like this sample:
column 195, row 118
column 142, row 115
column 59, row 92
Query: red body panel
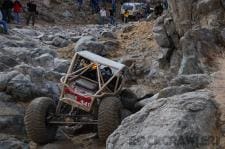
column 79, row 97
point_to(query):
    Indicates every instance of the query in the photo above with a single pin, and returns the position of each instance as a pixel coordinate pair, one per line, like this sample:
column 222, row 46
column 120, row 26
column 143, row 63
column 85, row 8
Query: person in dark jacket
column 7, row 6
column 158, row 9
column 32, row 10
column 111, row 16
column 80, row 3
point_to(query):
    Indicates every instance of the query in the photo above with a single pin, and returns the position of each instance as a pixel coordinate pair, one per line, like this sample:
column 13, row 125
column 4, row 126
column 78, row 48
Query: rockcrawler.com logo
column 185, row 140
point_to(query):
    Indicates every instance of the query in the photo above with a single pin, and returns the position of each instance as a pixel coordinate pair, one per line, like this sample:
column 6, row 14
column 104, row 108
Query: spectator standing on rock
column 102, row 15
column 80, row 3
column 165, row 4
column 32, row 10
column 7, row 6
column 125, row 16
column 114, row 6
column 94, row 6
column 158, row 10
column 17, row 9
column 111, row 16
column 3, row 23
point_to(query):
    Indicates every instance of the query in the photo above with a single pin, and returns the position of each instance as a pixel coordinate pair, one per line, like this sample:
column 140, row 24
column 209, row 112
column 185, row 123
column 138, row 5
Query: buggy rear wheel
column 108, row 116
column 35, row 120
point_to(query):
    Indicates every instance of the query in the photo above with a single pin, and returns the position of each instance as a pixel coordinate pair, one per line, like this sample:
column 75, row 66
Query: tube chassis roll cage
column 103, row 89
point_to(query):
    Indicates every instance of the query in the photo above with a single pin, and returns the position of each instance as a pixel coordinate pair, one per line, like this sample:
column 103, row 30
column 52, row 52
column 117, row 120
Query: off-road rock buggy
column 89, row 95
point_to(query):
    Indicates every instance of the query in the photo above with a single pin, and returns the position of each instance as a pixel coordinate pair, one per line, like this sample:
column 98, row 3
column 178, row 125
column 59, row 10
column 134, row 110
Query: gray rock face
column 160, row 34
column 174, row 90
column 190, row 65
column 40, row 51
column 8, row 61
column 197, row 46
column 21, row 88
column 146, row 101
column 222, row 36
column 197, row 81
column 192, row 35
column 165, row 122
column 5, row 97
column 9, row 143
column 88, row 43
column 60, row 42
column 128, row 29
column 45, row 60
column 30, row 68
column 11, row 118
column 83, row 40
column 203, row 13
column 140, row 90
column 26, row 32
column 41, row 82
column 61, row 65
column 110, row 45
column 107, row 34
column 76, row 38
column 18, row 54
column 67, row 14
column 29, row 82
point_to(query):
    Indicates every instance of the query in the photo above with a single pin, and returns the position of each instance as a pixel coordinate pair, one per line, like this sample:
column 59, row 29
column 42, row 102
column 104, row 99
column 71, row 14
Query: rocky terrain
column 34, row 59
column 179, row 58
column 185, row 114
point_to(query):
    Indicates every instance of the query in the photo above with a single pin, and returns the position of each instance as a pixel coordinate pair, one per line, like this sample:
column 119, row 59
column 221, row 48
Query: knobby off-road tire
column 128, row 99
column 125, row 113
column 36, row 123
column 108, row 116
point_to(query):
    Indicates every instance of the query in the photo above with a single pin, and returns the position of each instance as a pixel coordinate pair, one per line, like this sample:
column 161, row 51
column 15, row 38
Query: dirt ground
column 82, row 141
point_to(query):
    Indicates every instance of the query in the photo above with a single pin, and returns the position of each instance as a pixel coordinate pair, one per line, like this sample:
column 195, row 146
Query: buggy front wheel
column 108, row 116
column 37, row 127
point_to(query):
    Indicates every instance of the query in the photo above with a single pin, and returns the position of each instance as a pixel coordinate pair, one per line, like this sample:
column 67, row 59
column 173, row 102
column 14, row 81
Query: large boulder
column 41, row 82
column 198, row 47
column 5, row 78
column 8, row 61
column 60, row 42
column 174, row 90
column 141, row 91
column 40, row 51
column 180, row 121
column 90, row 44
column 61, row 65
column 11, row 118
column 146, row 101
column 160, row 34
column 26, row 32
column 202, row 13
column 192, row 34
column 18, row 54
column 45, row 60
column 21, row 88
column 5, row 97
column 9, row 143
column 107, row 34
column 197, row 81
